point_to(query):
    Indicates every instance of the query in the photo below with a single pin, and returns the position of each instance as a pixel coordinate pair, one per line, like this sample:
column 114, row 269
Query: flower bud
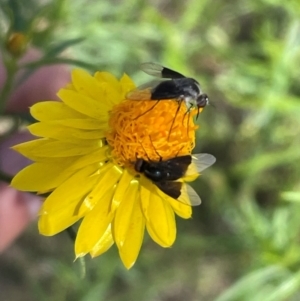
column 17, row 43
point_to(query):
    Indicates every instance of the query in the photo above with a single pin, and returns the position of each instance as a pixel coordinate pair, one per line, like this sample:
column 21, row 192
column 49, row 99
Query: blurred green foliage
column 243, row 242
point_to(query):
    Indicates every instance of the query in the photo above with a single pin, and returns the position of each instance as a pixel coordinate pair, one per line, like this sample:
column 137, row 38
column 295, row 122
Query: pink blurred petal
column 42, row 85
column 17, row 209
column 12, row 162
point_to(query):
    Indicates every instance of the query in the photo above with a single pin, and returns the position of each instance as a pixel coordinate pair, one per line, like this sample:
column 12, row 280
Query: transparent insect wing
column 189, row 196
column 199, row 163
column 144, row 91
column 152, row 69
column 185, row 194
column 203, row 161
column 160, row 71
column 150, row 84
column 139, row 94
column 159, row 89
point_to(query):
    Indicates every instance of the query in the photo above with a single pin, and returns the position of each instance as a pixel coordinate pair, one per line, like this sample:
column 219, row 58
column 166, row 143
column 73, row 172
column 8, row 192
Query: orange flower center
column 150, row 130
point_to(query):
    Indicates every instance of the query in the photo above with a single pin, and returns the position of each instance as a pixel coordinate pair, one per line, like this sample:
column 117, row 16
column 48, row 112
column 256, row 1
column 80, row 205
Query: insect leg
column 198, row 113
column 187, row 125
column 147, row 110
column 178, row 108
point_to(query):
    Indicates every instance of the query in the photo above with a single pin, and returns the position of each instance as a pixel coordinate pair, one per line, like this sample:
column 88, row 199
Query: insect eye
column 202, row 100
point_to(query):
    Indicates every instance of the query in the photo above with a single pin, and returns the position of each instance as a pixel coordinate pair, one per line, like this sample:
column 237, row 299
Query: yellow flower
column 85, row 158
column 17, row 43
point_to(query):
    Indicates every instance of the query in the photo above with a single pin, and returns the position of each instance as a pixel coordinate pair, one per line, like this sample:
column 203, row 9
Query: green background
column 243, row 241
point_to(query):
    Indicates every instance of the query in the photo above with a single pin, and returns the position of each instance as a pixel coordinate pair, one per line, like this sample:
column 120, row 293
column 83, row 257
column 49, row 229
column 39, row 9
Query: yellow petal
column 112, row 96
column 109, row 176
column 51, row 224
column 83, row 123
column 127, row 85
column 75, row 188
column 161, row 224
column 43, row 176
column 97, row 156
column 94, row 225
column 190, row 178
column 124, row 212
column 181, row 209
column 48, row 148
column 103, row 244
column 121, row 189
column 111, row 87
column 130, row 249
column 94, row 108
column 63, row 133
column 54, row 110
column 192, row 173
column 109, row 79
column 155, row 237
column 86, row 84
column 147, row 188
column 60, row 209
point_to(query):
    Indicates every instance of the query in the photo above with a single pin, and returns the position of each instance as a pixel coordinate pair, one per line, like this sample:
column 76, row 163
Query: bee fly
column 177, row 87
column 165, row 173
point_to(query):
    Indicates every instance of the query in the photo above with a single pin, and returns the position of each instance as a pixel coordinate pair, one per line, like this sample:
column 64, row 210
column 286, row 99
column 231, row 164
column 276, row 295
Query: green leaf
column 57, row 60
column 60, row 47
column 286, row 289
column 290, row 196
column 251, row 283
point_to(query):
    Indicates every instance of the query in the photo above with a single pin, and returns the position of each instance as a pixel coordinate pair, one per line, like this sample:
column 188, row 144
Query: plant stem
column 11, row 69
column 5, row 177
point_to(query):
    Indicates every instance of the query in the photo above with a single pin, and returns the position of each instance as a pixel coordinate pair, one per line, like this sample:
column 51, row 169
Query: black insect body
column 169, row 170
column 177, row 87
column 182, row 89
column 165, row 174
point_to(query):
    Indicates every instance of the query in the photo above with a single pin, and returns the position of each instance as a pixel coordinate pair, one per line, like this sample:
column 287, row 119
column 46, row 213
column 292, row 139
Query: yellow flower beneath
column 85, row 158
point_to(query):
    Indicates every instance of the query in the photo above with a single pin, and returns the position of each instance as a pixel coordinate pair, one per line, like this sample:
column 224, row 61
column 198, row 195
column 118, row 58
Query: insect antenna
column 179, row 151
column 149, row 160
column 160, row 157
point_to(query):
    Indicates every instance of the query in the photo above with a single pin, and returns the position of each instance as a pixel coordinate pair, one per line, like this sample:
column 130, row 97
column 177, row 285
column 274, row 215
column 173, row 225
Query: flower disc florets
column 150, row 130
